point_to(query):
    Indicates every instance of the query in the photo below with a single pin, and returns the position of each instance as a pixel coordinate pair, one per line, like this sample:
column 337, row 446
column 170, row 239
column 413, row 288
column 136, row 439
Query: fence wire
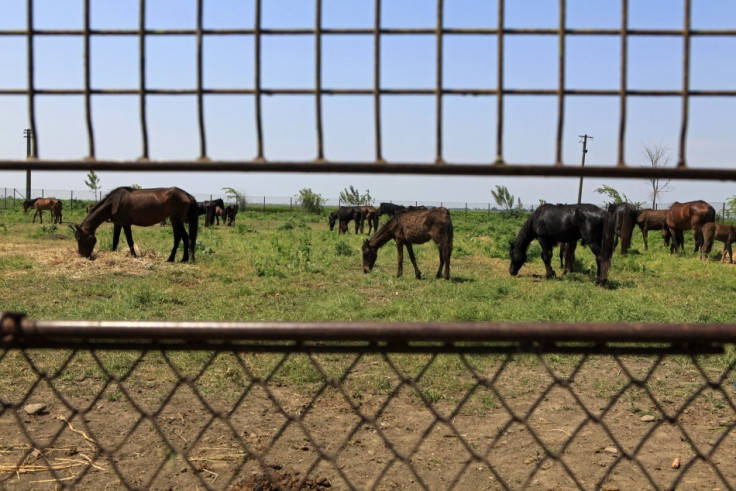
column 365, row 405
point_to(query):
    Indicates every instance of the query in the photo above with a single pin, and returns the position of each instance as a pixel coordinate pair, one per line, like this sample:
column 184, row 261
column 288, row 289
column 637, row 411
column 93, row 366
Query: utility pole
column 585, row 150
column 28, row 135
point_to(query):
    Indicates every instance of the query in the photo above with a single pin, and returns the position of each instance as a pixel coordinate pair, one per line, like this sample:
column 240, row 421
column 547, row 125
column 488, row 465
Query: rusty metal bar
column 408, row 168
column 200, row 85
column 142, row 77
column 438, row 97
column 257, row 74
column 500, row 84
column 368, row 31
column 681, row 161
column 31, row 92
column 377, row 78
column 16, row 327
column 318, row 78
column 624, row 82
column 560, row 84
column 87, row 83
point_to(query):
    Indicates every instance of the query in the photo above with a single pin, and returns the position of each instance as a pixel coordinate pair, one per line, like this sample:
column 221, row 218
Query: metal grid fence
column 259, row 425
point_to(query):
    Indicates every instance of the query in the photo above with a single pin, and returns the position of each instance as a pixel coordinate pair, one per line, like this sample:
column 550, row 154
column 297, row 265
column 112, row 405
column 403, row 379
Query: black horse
column 343, row 215
column 552, row 224
column 209, row 210
column 390, row 209
column 228, row 215
column 625, row 215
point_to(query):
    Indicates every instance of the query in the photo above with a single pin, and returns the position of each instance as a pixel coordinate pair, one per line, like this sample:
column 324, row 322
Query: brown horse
column 413, row 227
column 370, row 215
column 143, row 207
column 625, row 215
column 685, row 216
column 722, row 233
column 39, row 204
column 650, row 219
column 228, row 216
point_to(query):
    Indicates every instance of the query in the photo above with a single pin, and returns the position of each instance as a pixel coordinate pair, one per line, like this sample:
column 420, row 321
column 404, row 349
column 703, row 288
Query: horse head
column 369, row 256
column 518, row 258
column 85, row 241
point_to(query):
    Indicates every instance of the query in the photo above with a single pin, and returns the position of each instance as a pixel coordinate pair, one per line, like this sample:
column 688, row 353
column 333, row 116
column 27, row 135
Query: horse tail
column 710, row 216
column 627, row 230
column 193, row 218
column 608, row 244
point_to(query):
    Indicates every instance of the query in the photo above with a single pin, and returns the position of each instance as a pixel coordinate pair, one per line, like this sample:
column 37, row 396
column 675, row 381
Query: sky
column 408, row 122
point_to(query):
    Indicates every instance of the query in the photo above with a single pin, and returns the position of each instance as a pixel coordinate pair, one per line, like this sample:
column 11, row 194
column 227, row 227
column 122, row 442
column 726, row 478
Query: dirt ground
column 516, row 429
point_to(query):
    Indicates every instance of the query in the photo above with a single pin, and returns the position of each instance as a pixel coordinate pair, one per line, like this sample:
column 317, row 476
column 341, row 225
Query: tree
column 310, row 201
column 731, row 208
column 615, row 196
column 136, row 186
column 658, row 156
column 93, row 182
column 351, row 196
column 238, row 196
column 506, row 201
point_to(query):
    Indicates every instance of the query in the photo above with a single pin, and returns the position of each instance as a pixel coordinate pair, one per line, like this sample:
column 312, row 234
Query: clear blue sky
column 408, row 121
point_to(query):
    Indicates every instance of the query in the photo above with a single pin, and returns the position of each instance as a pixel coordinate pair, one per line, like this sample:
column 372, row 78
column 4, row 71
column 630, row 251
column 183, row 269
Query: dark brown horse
column 625, row 216
column 369, row 214
column 39, row 204
column 685, row 216
column 413, row 227
column 343, row 215
column 722, row 233
column 143, row 207
column 650, row 219
column 228, row 216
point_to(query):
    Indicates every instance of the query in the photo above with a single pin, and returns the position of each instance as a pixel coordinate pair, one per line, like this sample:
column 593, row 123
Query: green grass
column 287, row 266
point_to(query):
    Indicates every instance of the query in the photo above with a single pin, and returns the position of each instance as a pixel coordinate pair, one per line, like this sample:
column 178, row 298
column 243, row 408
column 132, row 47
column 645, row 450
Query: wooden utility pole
column 585, row 150
column 28, row 135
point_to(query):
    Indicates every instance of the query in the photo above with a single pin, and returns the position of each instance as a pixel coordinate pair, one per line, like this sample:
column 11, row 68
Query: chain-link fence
column 364, row 405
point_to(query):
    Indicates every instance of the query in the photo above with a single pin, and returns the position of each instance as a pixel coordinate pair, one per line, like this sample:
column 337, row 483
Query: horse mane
column 526, row 234
column 99, row 203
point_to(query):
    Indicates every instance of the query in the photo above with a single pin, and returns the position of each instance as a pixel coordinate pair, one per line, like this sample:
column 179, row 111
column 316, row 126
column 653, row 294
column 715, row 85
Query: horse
column 343, row 215
column 685, row 216
column 721, row 233
column 28, row 203
column 413, row 227
column 551, row 224
column 650, row 219
column 389, row 209
column 625, row 215
column 209, row 210
column 39, row 204
column 126, row 206
column 369, row 214
column 228, row 216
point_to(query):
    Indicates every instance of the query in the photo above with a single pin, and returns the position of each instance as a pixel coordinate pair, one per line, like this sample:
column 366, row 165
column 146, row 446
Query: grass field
column 289, row 266
column 286, row 265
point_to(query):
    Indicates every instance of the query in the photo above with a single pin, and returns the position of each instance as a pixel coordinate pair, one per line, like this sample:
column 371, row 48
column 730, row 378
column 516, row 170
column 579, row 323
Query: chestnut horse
column 413, row 227
column 650, row 219
column 722, row 233
column 127, row 206
column 39, row 204
column 552, row 224
column 685, row 216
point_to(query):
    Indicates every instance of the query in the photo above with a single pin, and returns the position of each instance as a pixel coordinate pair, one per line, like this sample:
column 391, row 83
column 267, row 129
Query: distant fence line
column 13, row 198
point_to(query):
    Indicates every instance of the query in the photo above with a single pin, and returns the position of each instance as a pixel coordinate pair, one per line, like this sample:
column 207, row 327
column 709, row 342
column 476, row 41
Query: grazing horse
column 685, row 216
column 343, row 215
column 413, row 227
column 625, row 215
column 370, row 215
column 551, row 224
column 209, row 210
column 127, row 206
column 28, row 203
column 228, row 216
column 721, row 233
column 39, row 204
column 650, row 219
column 389, row 209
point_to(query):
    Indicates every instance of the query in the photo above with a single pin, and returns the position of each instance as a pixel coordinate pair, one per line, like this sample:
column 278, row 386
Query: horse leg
column 417, row 273
column 129, row 238
column 180, row 234
column 115, row 237
column 444, row 261
column 644, row 232
column 547, row 258
column 400, row 258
